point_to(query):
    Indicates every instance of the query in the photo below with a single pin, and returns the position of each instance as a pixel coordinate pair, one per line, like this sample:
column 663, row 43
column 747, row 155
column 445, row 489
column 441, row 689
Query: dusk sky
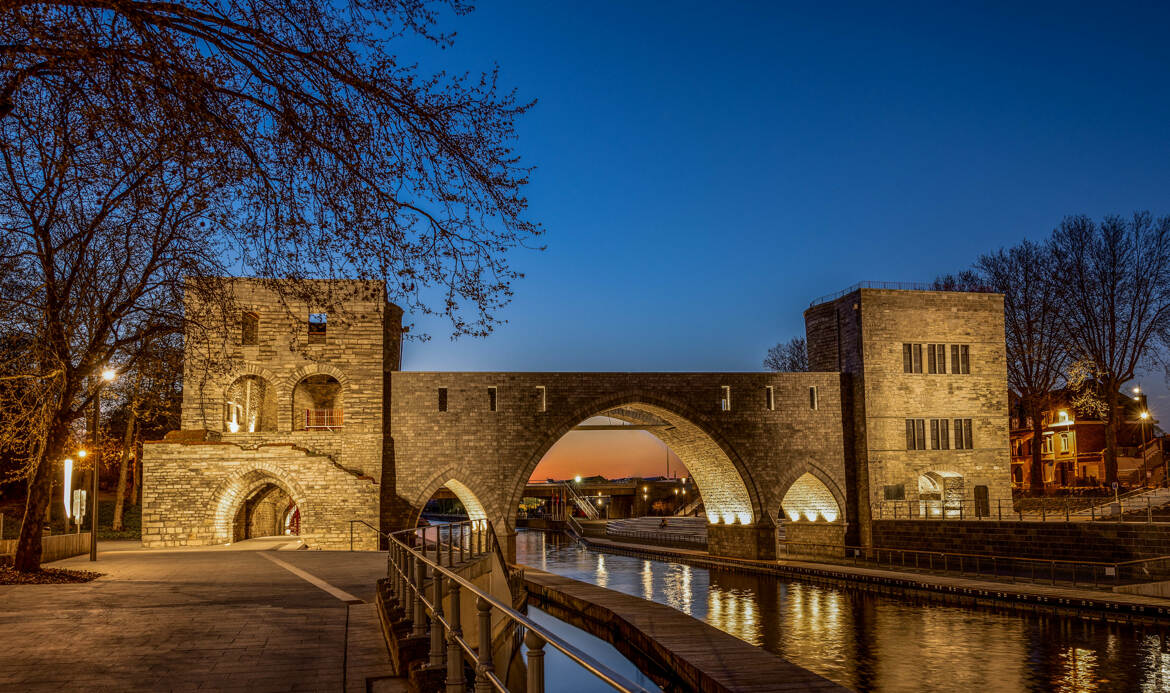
column 704, row 171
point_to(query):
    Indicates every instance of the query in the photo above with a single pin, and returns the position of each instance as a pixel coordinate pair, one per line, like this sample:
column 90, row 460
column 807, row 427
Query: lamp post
column 107, row 375
column 1144, row 416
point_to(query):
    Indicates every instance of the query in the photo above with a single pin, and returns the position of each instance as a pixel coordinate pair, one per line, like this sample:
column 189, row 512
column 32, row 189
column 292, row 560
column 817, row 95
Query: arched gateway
column 325, row 429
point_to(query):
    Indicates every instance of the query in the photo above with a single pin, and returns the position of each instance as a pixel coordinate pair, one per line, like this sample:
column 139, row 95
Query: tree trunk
column 136, row 486
column 1111, row 435
column 28, row 544
column 1036, row 470
column 127, row 443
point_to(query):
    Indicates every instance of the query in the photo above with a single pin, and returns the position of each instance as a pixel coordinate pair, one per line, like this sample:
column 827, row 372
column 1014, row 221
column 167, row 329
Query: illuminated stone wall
column 862, row 334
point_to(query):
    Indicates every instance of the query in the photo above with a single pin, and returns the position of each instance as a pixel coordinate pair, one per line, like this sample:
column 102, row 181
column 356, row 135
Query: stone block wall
column 1075, row 541
column 192, row 491
column 864, row 332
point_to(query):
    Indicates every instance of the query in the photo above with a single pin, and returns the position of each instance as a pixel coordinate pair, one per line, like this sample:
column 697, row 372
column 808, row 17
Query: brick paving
column 210, row 619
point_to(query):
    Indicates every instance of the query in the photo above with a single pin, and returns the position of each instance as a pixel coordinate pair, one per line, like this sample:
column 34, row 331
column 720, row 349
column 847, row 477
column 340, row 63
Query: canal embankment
column 1059, row 600
column 676, row 650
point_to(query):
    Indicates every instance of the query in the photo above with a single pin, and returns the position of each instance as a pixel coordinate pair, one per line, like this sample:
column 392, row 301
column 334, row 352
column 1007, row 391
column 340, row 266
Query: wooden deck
column 679, row 652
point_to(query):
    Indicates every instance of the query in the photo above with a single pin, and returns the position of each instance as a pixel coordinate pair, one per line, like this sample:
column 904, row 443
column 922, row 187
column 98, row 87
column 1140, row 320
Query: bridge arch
column 232, row 493
column 809, row 499
column 729, row 494
column 476, row 508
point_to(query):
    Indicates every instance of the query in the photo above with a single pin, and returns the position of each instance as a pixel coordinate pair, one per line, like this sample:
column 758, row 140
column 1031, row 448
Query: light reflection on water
column 876, row 642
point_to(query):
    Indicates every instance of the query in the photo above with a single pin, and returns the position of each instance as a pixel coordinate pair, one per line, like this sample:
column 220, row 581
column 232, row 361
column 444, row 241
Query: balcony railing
column 323, row 419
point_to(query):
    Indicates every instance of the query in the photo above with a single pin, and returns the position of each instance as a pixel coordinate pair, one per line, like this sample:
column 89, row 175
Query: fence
column 54, row 547
column 421, row 583
column 324, row 418
column 1099, row 575
column 1136, row 509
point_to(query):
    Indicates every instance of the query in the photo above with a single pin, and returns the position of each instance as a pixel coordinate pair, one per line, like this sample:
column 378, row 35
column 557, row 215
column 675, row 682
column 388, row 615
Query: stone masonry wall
column 192, row 490
column 494, row 453
column 887, row 396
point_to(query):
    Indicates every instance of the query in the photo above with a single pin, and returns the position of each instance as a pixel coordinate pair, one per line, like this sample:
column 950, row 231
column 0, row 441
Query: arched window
column 249, row 406
column 317, row 404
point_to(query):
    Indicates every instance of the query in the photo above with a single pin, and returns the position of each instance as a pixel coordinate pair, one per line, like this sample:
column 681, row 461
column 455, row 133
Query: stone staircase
column 679, row 530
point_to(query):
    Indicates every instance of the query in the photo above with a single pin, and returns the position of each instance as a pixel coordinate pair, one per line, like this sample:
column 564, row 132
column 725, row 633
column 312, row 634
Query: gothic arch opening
column 249, row 406
column 714, row 482
column 810, row 500
column 317, row 403
column 261, row 501
column 940, row 494
column 452, row 501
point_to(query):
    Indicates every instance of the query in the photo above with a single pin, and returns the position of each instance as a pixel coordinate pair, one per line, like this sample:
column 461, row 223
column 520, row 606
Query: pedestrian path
column 1116, row 605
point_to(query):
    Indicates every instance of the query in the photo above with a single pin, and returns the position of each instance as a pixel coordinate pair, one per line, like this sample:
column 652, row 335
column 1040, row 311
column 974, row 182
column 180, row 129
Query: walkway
column 1114, row 605
column 221, row 618
column 695, row 654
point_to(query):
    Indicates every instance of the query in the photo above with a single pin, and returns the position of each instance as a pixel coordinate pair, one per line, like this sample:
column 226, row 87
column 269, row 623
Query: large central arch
column 729, row 495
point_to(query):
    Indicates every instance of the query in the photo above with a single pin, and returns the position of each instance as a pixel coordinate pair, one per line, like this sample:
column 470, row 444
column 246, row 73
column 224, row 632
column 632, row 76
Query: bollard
column 454, row 655
column 484, row 652
column 419, row 628
column 438, row 649
column 535, row 645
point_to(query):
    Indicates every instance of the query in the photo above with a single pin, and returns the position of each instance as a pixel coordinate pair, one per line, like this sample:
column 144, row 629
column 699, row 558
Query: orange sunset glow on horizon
column 611, row 454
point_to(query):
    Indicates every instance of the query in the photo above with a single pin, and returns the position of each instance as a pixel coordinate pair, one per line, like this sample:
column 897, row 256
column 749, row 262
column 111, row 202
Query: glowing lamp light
column 82, row 454
column 577, row 478
column 744, row 518
column 108, row 374
column 729, row 518
column 1145, row 415
column 645, row 489
column 233, row 427
column 599, row 501
column 68, row 486
column 793, row 515
column 713, row 518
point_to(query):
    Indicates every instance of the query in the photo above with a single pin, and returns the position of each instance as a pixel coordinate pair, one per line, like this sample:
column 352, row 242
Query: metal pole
column 97, row 457
column 484, row 652
column 454, row 653
column 351, row 535
column 438, row 651
column 535, row 645
column 419, row 628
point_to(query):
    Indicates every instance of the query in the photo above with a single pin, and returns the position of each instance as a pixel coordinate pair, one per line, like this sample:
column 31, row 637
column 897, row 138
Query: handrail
column 411, row 585
column 1093, row 572
column 1138, row 508
column 899, row 286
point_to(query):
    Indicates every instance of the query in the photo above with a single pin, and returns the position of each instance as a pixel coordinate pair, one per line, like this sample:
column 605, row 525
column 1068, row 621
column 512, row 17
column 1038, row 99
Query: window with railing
column 323, row 419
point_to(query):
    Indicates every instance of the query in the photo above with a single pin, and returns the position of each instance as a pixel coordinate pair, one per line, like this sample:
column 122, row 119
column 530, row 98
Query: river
column 872, row 642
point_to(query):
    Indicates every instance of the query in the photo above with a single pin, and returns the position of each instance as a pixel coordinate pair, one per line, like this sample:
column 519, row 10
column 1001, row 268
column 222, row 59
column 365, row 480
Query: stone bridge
column 746, row 438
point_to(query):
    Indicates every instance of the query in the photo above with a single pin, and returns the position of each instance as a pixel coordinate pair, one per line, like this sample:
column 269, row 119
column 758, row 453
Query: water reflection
column 876, row 642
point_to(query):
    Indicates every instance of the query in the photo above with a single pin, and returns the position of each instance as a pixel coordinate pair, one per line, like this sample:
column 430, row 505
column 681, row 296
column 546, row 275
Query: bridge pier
column 756, row 542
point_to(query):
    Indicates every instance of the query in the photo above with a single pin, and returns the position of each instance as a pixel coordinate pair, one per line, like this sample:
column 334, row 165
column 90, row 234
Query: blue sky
column 705, row 170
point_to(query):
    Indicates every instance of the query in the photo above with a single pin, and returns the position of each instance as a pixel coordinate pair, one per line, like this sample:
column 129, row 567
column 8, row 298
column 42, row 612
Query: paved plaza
column 215, row 618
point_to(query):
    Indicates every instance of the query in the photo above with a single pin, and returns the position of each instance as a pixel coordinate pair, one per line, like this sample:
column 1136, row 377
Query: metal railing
column 1096, row 574
column 324, row 418
column 582, row 504
column 659, row 537
column 421, row 582
column 900, row 286
column 1138, row 508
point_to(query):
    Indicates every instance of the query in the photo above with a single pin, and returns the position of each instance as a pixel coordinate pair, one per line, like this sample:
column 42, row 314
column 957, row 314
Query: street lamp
column 107, row 376
column 1145, row 473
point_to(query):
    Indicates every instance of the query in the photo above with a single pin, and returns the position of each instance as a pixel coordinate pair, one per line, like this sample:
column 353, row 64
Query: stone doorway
column 268, row 511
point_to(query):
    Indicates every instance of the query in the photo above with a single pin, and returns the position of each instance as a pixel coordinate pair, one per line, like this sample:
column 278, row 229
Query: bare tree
column 788, row 357
column 1037, row 354
column 1115, row 291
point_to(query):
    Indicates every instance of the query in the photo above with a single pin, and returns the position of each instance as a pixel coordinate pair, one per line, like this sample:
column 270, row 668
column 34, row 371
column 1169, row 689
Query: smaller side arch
column 809, row 499
column 477, row 508
column 233, row 491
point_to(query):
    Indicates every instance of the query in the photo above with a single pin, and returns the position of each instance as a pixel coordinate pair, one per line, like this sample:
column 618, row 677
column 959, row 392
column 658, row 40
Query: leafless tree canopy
column 151, row 149
column 788, row 357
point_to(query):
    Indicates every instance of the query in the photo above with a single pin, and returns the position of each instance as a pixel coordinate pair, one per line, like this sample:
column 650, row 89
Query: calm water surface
column 872, row 642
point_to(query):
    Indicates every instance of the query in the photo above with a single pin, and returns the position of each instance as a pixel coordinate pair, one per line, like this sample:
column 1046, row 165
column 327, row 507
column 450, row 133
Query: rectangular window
column 963, row 439
column 936, row 358
column 769, row 398
column 812, row 397
column 725, row 400
column 318, row 322
column 915, row 434
column 442, row 399
column 250, row 328
column 911, row 358
column 895, row 492
column 940, row 434
column 1064, row 442
column 541, row 399
column 1046, row 446
column 491, row 399
column 960, row 359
